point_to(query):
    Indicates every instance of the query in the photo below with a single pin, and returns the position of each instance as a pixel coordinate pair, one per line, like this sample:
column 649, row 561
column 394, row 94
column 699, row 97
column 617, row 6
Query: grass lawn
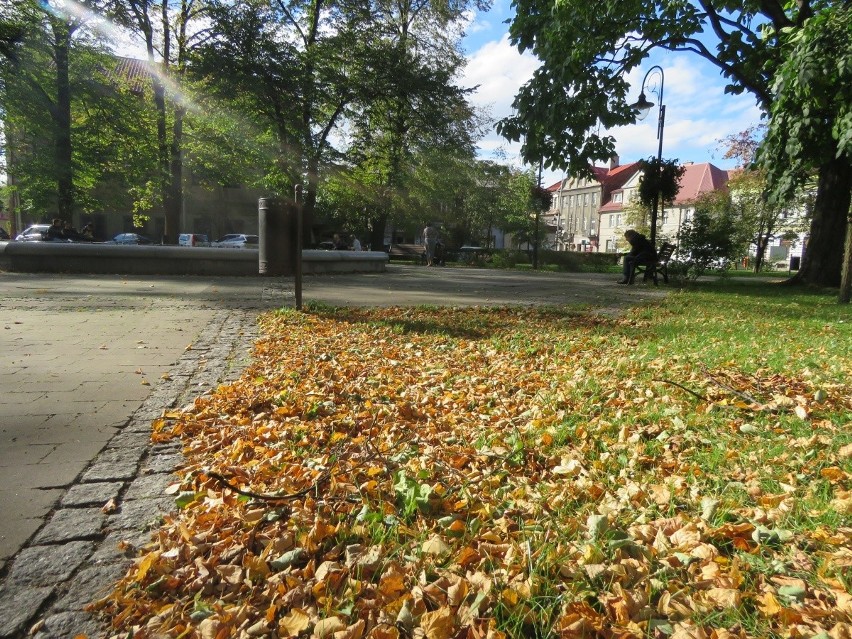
column 680, row 471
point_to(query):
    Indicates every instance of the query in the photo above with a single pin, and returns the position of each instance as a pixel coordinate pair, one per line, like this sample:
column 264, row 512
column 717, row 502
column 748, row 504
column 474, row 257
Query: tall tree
column 168, row 29
column 47, row 59
column 586, row 49
column 810, row 132
column 296, row 65
column 49, row 31
column 416, row 98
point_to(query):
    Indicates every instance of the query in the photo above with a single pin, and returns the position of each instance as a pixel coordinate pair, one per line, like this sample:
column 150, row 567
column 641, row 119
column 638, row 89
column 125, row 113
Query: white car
column 34, row 233
column 237, row 240
column 193, row 239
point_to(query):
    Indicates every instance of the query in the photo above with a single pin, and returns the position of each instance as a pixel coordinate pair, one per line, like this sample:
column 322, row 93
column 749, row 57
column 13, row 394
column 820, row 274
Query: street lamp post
column 642, row 107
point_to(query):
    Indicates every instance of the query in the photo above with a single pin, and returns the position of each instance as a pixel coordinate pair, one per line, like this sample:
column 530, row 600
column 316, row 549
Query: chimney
column 613, row 162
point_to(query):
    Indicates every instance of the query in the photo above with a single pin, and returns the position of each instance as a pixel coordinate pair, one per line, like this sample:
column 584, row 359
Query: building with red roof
column 577, row 202
column 697, row 180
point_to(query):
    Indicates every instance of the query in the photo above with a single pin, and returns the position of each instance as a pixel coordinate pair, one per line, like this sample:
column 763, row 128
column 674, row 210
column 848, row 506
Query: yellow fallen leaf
column 145, row 565
column 724, row 597
column 833, row 474
column 436, row 547
column 768, row 604
column 327, row 627
column 438, row 624
column 294, row 623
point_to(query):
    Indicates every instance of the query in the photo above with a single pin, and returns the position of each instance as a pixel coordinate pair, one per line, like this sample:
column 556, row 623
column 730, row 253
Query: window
column 618, row 220
column 611, row 220
column 585, row 199
column 616, row 197
column 594, row 199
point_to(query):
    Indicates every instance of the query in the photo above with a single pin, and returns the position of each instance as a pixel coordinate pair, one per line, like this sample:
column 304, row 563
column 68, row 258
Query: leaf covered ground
column 680, row 471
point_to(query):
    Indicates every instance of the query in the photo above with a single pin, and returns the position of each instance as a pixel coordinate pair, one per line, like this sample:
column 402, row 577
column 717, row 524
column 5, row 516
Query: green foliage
column 508, row 258
column 659, row 177
column 540, row 199
column 811, row 116
column 576, row 262
column 712, row 235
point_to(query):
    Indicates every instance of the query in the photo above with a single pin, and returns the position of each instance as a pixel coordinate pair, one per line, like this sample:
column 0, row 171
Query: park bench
column 661, row 266
column 416, row 252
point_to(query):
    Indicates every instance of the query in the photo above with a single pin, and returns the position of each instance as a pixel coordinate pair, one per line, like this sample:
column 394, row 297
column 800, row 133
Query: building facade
column 574, row 218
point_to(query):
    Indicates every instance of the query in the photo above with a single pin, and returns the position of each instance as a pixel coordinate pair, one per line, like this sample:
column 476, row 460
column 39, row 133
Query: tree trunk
column 173, row 200
column 62, row 121
column 846, row 275
column 163, row 150
column 309, row 210
column 377, row 231
column 760, row 249
column 823, row 256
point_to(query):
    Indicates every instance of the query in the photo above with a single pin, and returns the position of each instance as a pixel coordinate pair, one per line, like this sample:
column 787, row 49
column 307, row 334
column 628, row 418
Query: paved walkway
column 89, row 361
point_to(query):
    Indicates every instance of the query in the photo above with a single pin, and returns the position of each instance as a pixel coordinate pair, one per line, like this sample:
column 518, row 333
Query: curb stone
column 75, row 556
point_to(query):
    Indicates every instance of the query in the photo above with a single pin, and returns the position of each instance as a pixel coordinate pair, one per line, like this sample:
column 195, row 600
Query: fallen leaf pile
column 488, row 473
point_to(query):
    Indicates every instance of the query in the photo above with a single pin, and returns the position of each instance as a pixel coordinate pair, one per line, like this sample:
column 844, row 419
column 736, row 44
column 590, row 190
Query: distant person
column 88, row 232
column 339, row 244
column 356, row 244
column 641, row 252
column 4, row 235
column 430, row 239
column 54, row 231
column 70, row 233
column 440, row 253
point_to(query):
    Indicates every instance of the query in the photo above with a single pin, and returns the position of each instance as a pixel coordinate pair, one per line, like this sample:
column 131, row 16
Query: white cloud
column 698, row 112
column 498, row 70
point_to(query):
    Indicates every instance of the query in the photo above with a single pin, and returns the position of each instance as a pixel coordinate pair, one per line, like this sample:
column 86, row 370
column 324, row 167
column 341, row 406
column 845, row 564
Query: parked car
column 193, row 239
column 34, row 233
column 237, row 240
column 226, row 238
column 130, row 238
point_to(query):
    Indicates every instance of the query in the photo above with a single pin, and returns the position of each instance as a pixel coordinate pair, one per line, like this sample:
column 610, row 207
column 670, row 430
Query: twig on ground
column 682, row 387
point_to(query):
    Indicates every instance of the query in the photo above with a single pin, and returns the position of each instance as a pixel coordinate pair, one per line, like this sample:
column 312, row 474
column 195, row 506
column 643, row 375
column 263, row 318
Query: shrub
column 576, row 262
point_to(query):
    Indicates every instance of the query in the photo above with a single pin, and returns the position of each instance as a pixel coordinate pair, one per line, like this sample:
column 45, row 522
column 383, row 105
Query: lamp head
column 642, row 107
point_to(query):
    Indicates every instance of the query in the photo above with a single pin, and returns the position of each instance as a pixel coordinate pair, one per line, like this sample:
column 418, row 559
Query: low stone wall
column 59, row 257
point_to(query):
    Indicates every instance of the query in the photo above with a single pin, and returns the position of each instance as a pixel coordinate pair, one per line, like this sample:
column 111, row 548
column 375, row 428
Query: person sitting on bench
column 641, row 252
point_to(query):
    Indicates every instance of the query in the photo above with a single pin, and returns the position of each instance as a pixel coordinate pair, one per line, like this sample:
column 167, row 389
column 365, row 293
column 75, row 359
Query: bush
column 710, row 239
column 577, row 262
column 508, row 258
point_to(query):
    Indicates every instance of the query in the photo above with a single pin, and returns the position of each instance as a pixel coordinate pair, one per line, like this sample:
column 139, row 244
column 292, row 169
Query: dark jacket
column 641, row 247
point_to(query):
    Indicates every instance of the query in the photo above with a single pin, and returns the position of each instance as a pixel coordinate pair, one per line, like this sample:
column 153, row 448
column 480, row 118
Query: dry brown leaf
column 328, row 626
column 439, row 624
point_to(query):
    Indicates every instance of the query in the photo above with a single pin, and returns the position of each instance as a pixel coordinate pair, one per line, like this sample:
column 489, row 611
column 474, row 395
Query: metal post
column 297, row 197
column 537, row 217
column 643, row 107
column 660, row 124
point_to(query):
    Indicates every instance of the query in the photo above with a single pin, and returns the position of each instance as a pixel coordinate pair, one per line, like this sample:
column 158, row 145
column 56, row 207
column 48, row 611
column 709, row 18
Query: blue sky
column 698, row 112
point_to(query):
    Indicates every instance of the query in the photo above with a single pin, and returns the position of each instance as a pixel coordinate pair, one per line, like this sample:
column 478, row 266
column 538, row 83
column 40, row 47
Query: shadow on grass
column 466, row 323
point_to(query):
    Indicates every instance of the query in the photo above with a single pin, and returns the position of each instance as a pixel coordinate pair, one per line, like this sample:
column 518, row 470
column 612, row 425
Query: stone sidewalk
column 89, row 362
column 83, row 547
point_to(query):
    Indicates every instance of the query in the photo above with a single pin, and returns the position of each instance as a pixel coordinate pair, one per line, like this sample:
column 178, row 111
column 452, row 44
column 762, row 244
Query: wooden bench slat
column 660, row 267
